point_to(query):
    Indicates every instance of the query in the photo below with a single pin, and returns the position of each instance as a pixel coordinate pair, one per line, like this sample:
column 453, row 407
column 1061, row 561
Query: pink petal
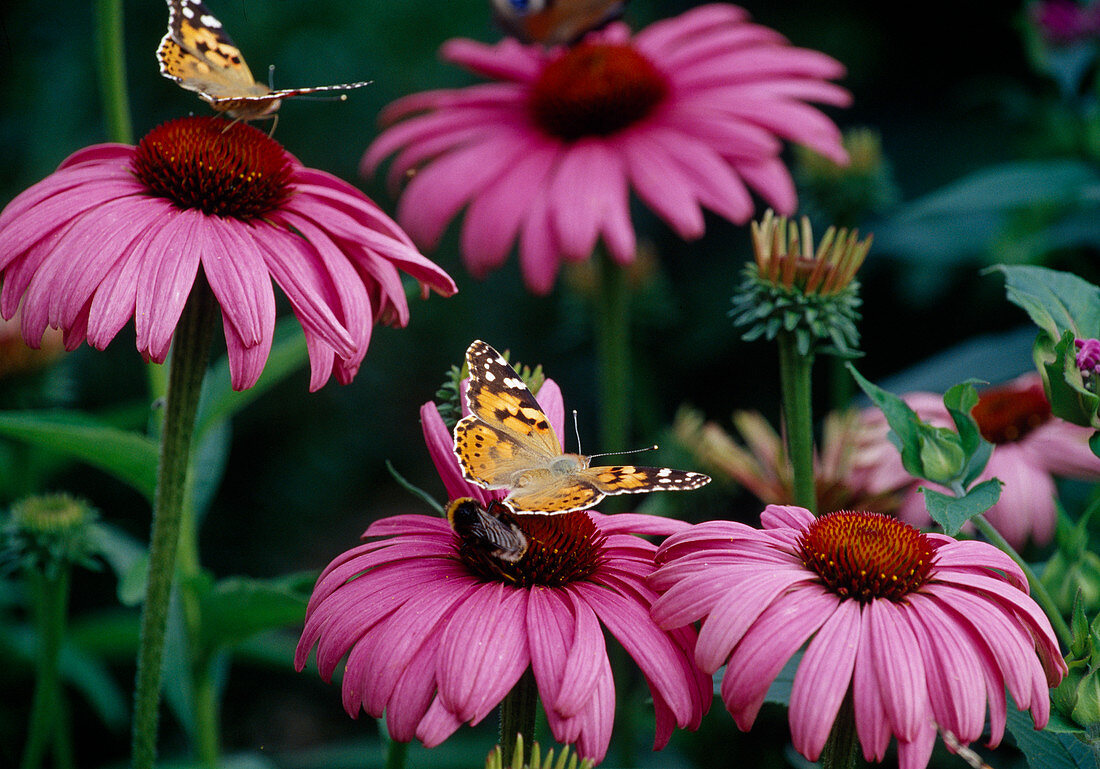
column 823, row 678
column 483, row 651
column 898, row 667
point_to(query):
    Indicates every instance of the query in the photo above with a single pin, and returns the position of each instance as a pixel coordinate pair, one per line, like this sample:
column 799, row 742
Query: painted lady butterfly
column 554, row 22
column 507, row 442
column 493, row 531
column 198, row 54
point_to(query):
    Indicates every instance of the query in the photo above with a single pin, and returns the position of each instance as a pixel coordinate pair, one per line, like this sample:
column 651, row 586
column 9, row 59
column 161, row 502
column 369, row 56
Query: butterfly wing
column 197, row 53
column 554, row 22
column 628, row 479
column 506, row 433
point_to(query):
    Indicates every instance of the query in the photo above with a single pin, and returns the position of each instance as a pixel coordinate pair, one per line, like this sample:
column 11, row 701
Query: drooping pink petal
column 823, row 678
column 483, row 651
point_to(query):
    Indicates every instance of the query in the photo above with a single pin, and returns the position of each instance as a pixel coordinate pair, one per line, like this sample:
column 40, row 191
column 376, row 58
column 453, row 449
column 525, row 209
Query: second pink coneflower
column 689, row 113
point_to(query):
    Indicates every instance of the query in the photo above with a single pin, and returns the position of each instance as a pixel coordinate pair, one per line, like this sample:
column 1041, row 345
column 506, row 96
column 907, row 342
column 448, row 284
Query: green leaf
column 1047, row 749
column 128, row 559
column 952, row 512
column 219, row 401
column 1056, row 301
column 129, row 456
column 905, row 426
column 239, row 607
column 1094, row 443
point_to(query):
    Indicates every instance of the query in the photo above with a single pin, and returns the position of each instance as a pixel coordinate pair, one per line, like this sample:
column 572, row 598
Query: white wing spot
column 514, row 384
column 209, row 21
column 664, row 472
column 489, row 376
column 186, row 11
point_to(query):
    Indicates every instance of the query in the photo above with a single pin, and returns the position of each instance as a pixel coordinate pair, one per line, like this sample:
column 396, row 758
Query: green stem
column 110, row 53
column 205, row 707
column 795, row 384
column 1038, row 590
column 190, row 351
column 612, row 317
column 46, row 728
column 396, row 753
column 517, row 716
column 841, row 750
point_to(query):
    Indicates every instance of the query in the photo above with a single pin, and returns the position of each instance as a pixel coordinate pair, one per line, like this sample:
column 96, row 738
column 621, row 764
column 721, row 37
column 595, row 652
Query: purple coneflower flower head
column 689, row 113
column 1031, row 447
column 120, row 231
column 918, row 629
column 435, row 639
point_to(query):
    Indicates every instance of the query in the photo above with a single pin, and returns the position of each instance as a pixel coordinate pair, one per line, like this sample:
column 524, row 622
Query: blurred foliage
column 961, row 116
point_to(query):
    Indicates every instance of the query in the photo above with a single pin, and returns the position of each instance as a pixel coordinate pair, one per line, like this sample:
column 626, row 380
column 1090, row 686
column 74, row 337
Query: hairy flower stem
column 1038, row 589
column 190, row 351
column 47, row 728
column 112, row 70
column 612, row 313
column 841, row 750
column 795, row 381
column 396, row 753
column 517, row 716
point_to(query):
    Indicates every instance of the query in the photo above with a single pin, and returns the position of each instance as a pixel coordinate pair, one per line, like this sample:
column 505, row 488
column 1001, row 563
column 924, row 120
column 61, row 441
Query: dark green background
column 946, row 84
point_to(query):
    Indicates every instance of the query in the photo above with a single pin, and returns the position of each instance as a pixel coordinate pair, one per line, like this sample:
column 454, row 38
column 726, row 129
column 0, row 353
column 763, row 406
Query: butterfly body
column 491, row 532
column 554, row 22
column 507, row 442
column 197, row 53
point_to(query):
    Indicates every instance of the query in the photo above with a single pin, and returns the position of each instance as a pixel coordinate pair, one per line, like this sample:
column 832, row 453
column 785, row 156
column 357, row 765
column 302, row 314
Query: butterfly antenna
column 618, row 453
column 577, row 431
column 271, row 76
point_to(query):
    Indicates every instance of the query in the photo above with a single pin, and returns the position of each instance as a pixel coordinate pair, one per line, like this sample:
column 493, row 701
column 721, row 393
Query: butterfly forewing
column 198, row 54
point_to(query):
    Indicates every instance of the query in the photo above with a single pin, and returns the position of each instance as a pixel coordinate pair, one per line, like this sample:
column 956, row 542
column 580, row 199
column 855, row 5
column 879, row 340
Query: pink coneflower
column 434, row 640
column 120, row 231
column 689, row 113
column 920, row 630
column 1030, row 447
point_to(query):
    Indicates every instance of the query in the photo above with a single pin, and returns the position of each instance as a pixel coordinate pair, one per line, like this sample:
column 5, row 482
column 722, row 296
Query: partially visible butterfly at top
column 197, row 53
column 554, row 22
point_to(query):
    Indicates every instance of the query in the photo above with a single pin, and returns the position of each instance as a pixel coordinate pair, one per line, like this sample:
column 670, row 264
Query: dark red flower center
column 866, row 556
column 1006, row 414
column 595, row 89
column 560, row 549
column 220, row 168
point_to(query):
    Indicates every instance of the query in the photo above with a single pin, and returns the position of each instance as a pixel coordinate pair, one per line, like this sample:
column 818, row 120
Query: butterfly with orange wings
column 507, row 442
column 197, row 53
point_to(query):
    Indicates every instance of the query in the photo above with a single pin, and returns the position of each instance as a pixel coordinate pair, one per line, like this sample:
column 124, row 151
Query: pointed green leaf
column 1056, row 301
column 905, row 426
column 952, row 512
column 1047, row 749
column 129, row 456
